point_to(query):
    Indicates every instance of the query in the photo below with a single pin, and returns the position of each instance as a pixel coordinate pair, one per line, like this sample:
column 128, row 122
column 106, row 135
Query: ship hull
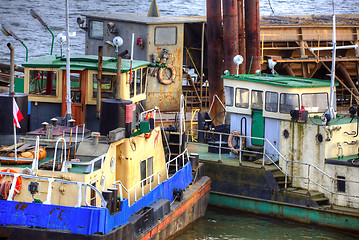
column 308, row 215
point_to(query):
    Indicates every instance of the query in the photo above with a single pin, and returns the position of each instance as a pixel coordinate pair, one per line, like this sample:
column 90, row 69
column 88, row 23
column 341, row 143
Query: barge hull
column 321, row 217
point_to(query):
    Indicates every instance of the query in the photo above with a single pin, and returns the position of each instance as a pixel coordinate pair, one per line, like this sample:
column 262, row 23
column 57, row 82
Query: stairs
column 192, row 92
column 316, row 196
column 255, row 154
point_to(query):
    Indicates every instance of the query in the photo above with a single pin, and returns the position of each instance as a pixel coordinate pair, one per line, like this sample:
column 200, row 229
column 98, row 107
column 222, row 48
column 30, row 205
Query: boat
column 133, row 179
column 119, row 184
column 281, row 152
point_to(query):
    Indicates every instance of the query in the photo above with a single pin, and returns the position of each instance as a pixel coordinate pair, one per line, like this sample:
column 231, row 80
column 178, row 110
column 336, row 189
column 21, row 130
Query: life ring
column 233, row 134
column 18, row 181
column 147, row 135
column 161, row 76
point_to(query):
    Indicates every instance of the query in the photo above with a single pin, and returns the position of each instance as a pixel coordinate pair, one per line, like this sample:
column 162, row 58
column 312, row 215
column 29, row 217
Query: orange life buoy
column 18, row 181
column 233, row 134
column 171, row 79
column 147, row 135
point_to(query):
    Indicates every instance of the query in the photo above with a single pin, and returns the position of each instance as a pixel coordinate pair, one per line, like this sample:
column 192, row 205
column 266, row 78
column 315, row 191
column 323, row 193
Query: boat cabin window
column 257, row 99
column 138, row 82
column 107, row 85
column 229, row 92
column 42, row 82
column 315, row 102
column 147, row 169
column 271, row 102
column 96, row 29
column 288, row 102
column 165, row 36
column 75, row 87
column 242, row 98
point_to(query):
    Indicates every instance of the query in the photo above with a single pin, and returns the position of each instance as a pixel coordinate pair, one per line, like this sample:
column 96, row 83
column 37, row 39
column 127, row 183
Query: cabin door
column 78, row 93
column 257, row 127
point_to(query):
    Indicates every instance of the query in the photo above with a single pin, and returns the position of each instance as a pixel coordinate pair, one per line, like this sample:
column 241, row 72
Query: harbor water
column 217, row 224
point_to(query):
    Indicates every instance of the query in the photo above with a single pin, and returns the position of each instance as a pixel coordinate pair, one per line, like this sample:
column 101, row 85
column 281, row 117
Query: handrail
column 92, row 162
column 332, row 179
column 49, row 193
column 265, row 155
column 134, row 187
column 175, row 159
column 63, row 149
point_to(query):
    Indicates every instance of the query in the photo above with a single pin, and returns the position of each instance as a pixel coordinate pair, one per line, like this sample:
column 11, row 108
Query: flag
column 16, row 113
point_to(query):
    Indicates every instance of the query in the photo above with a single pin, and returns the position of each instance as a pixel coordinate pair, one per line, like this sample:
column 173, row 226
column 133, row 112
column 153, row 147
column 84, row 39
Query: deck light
column 238, row 60
column 117, row 41
column 35, row 15
column 8, row 32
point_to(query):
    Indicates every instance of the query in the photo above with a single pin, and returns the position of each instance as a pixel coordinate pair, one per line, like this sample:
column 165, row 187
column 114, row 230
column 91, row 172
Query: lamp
column 35, row 15
column 8, row 32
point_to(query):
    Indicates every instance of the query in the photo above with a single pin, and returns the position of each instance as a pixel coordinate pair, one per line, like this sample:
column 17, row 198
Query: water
column 216, row 224
column 16, row 14
column 219, row 224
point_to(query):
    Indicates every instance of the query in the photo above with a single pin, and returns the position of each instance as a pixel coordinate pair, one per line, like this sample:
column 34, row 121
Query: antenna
column 238, row 60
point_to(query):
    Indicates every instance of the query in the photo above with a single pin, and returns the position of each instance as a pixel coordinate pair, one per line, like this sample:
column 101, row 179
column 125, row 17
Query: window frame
column 235, row 99
column 265, row 102
column 280, row 104
column 319, row 110
column 91, row 21
column 259, row 91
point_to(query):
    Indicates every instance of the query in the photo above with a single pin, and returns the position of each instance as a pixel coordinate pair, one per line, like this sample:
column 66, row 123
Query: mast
column 332, row 77
column 68, row 88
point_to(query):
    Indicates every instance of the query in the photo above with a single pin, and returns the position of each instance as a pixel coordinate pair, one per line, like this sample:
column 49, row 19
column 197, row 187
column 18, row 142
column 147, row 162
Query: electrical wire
column 270, row 5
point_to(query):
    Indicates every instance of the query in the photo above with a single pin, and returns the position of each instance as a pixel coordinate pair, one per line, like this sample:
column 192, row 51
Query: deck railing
column 176, row 160
column 266, row 144
column 50, row 181
column 134, row 188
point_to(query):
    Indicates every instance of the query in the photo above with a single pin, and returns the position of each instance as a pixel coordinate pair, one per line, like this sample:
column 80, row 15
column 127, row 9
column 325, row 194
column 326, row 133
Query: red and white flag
column 16, row 113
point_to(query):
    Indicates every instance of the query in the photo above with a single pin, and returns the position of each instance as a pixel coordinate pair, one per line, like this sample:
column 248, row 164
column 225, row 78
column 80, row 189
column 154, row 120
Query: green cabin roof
column 281, row 80
column 82, row 62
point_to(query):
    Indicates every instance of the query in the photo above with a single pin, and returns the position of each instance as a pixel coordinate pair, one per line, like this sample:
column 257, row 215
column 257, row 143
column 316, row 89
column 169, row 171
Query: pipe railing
column 241, row 148
column 176, row 159
column 142, row 184
column 330, row 191
column 49, row 192
column 92, row 162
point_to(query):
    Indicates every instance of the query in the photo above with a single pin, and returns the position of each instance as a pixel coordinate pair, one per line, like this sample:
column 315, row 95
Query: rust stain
column 21, row 206
column 60, row 215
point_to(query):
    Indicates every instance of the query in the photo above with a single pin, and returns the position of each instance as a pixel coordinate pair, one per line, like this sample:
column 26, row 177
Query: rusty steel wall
column 253, row 55
column 230, row 34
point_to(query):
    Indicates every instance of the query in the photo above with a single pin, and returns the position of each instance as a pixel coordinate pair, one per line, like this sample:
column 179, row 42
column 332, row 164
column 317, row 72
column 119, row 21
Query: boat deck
column 224, row 158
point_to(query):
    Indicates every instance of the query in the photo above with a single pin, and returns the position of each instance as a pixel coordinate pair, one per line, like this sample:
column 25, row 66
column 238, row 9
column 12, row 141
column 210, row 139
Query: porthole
column 285, row 133
column 103, row 182
column 319, row 138
column 112, row 164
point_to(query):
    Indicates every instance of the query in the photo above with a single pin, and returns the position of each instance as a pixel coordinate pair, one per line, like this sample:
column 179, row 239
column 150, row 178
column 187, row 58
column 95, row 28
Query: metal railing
column 134, row 188
column 88, row 163
column 49, row 191
column 266, row 144
column 176, row 160
column 241, row 150
column 330, row 191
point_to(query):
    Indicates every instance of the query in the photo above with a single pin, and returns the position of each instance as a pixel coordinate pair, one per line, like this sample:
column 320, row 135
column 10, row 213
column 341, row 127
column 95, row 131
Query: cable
column 270, row 5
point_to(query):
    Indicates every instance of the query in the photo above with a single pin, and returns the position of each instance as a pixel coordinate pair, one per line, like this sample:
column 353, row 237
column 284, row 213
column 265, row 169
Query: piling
column 253, row 56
